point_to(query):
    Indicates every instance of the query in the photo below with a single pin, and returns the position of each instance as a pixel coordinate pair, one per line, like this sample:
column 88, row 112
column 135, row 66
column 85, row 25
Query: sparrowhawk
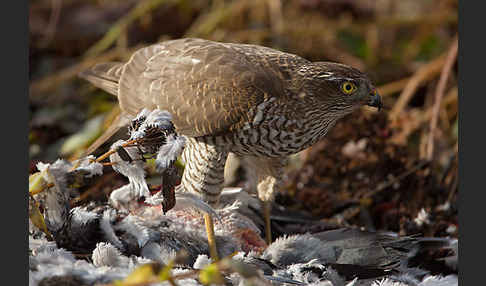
column 254, row 101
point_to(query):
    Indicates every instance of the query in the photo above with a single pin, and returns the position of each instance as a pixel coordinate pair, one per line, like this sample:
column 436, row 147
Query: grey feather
column 107, row 228
column 300, row 249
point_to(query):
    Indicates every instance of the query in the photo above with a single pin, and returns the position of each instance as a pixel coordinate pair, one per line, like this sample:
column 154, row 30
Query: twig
column 120, row 26
column 353, row 210
column 431, row 19
column 383, row 186
column 50, row 82
column 392, row 87
column 426, row 72
column 186, row 275
column 99, row 159
column 450, row 98
column 104, row 156
column 453, row 185
column 53, row 21
column 453, row 189
column 420, row 117
column 206, row 23
column 439, row 94
column 372, row 36
column 450, row 178
column 276, row 18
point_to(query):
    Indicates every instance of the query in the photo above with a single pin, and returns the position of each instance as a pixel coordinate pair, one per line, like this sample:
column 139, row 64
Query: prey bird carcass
column 151, row 134
column 119, row 243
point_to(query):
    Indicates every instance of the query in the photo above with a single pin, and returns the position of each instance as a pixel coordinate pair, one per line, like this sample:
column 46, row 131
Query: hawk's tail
column 105, row 76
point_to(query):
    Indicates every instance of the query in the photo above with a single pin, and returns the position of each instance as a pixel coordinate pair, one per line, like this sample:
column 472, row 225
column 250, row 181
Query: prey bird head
column 339, row 88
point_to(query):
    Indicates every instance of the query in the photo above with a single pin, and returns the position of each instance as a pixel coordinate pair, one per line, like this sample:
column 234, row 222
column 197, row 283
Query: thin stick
column 422, row 117
column 439, row 94
column 206, row 23
column 50, row 82
column 276, row 17
column 392, row 87
column 120, row 26
column 208, row 221
column 427, row 72
column 104, row 156
column 53, row 21
column 397, row 179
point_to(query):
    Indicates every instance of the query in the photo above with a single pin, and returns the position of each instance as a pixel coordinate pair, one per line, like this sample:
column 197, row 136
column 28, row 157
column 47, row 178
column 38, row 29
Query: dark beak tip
column 376, row 101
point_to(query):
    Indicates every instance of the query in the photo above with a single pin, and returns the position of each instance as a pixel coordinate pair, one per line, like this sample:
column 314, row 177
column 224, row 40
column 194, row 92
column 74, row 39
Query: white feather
column 169, row 152
column 106, row 254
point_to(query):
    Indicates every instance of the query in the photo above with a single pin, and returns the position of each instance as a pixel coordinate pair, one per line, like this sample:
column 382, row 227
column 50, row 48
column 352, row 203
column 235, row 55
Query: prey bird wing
column 208, row 87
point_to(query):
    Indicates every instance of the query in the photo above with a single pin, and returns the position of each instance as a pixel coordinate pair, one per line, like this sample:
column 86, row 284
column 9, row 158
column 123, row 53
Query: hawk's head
column 338, row 88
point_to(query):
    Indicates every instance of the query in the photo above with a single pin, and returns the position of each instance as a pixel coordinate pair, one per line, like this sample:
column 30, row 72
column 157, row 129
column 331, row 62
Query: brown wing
column 207, row 86
column 283, row 65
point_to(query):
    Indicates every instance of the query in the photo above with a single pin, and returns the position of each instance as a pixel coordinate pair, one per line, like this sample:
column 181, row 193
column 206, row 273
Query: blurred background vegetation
column 379, row 169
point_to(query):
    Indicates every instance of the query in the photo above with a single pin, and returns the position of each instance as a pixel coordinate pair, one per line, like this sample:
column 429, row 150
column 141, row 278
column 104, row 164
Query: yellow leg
column 267, row 173
column 208, row 221
column 267, row 207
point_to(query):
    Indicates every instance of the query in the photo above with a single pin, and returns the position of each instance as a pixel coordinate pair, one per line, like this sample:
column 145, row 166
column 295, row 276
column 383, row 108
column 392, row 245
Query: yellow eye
column 348, row 87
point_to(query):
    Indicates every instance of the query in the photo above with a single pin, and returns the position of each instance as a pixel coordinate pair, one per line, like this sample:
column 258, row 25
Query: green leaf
column 211, row 275
column 165, row 274
column 118, row 283
column 37, row 183
column 37, row 218
column 141, row 274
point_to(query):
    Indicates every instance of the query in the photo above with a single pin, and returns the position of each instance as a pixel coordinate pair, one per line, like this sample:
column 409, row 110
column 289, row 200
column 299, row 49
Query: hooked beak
column 375, row 100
